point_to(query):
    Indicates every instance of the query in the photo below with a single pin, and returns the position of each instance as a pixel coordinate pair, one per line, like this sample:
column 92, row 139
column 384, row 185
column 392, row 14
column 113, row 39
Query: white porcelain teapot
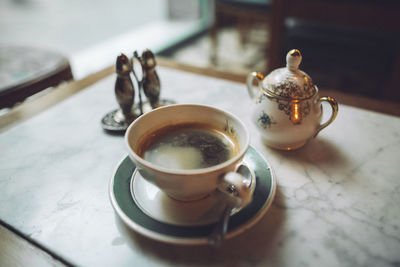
column 287, row 108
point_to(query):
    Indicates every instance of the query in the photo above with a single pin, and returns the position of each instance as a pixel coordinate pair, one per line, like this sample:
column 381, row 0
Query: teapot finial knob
column 293, row 59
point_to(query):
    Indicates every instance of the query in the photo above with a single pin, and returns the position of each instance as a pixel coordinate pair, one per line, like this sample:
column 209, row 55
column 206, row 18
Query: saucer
column 158, row 205
column 148, row 211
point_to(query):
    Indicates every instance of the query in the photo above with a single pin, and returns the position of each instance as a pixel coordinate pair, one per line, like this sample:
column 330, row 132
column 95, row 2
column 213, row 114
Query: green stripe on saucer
column 122, row 194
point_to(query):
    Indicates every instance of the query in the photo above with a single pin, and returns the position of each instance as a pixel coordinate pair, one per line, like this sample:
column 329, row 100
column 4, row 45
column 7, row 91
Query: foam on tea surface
column 188, row 147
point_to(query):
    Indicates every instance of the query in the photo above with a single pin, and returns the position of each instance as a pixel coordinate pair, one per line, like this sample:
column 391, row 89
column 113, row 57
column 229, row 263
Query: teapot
column 287, row 108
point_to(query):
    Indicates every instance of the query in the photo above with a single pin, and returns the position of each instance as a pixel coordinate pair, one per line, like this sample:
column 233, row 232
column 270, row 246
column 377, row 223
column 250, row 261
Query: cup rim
column 170, row 171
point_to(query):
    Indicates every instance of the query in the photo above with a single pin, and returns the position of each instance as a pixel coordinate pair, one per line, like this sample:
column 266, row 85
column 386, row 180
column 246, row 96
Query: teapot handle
column 250, row 79
column 335, row 108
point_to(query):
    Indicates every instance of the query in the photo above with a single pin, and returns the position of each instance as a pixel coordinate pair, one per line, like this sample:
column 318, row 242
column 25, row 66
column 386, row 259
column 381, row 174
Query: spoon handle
column 218, row 234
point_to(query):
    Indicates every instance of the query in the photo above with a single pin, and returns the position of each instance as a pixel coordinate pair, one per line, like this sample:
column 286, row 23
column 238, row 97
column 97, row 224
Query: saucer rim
column 189, row 240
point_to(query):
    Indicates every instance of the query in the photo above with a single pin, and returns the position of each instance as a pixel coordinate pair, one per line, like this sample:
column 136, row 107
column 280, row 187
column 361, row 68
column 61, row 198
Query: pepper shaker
column 151, row 82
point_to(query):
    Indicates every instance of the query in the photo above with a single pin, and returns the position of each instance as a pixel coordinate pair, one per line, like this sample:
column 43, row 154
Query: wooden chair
column 25, row 71
column 381, row 15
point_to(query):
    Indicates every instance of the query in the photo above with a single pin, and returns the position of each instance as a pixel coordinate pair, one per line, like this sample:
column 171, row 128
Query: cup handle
column 335, row 108
column 238, row 186
column 250, row 78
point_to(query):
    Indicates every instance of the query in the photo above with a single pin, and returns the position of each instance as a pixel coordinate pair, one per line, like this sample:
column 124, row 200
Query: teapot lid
column 290, row 82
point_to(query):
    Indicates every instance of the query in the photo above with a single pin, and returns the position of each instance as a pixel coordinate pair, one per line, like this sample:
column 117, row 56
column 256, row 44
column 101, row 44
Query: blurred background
column 348, row 46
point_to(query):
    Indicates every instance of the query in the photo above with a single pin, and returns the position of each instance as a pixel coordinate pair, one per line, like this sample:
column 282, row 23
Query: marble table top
column 337, row 200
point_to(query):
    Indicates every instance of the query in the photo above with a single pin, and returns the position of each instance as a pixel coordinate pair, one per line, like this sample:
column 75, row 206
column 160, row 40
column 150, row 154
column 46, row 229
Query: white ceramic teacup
column 192, row 184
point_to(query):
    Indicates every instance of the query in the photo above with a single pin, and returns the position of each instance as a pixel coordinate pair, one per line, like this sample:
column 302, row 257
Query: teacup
column 219, row 139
